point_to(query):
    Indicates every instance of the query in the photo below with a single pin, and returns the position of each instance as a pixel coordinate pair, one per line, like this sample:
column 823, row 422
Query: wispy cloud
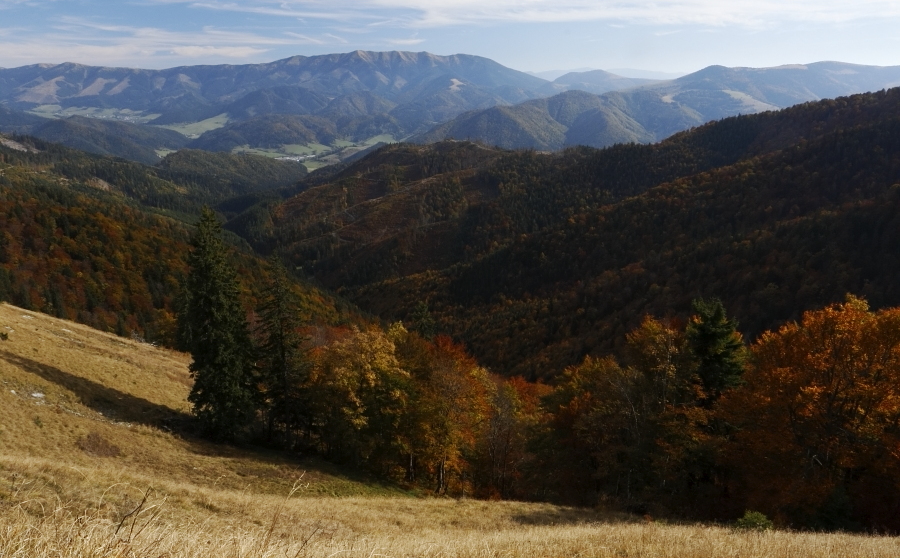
column 337, row 39
column 300, row 10
column 176, row 32
column 4, row 4
column 224, row 51
column 72, row 38
column 449, row 12
column 405, row 42
column 304, row 39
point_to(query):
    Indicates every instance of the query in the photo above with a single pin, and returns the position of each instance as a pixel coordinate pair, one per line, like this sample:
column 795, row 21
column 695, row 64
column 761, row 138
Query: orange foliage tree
column 639, row 429
column 818, row 420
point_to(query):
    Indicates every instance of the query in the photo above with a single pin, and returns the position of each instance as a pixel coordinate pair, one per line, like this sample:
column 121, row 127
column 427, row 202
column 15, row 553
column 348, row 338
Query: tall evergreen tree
column 717, row 347
column 422, row 321
column 213, row 328
column 284, row 363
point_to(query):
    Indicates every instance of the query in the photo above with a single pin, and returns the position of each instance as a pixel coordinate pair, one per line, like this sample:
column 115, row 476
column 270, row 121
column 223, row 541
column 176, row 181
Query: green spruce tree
column 284, row 365
column 213, row 328
column 717, row 347
column 422, row 322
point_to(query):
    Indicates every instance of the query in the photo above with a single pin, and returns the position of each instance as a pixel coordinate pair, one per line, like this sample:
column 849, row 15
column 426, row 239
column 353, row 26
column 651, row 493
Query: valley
column 403, row 304
column 336, row 105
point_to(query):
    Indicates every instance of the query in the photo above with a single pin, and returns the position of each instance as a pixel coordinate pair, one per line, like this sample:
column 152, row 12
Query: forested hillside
column 82, row 239
column 120, row 139
column 536, row 260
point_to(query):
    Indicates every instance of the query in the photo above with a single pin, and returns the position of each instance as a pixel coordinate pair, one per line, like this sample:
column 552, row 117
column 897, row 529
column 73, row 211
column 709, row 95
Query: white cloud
column 75, row 39
column 677, row 12
column 405, row 42
column 304, row 39
column 300, row 10
column 194, row 51
column 337, row 39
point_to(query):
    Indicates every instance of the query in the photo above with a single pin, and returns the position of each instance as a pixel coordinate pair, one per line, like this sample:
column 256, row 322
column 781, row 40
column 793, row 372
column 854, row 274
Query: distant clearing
column 312, row 164
column 195, row 129
column 386, row 138
column 126, row 115
column 319, row 155
column 295, row 149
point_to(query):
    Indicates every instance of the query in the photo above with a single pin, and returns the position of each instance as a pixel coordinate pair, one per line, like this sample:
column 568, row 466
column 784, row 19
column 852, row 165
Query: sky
column 676, row 36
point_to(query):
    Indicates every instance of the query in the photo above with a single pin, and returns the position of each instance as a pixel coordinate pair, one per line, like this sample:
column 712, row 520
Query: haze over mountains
column 655, row 111
column 341, row 104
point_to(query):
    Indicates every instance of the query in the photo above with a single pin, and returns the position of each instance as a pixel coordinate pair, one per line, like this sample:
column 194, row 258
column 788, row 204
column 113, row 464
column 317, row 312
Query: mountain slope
column 653, row 112
column 276, row 100
column 225, row 175
column 17, row 122
column 268, row 131
column 496, row 242
column 770, row 235
column 539, row 124
column 594, row 81
column 191, row 93
column 361, row 94
column 120, row 139
column 82, row 247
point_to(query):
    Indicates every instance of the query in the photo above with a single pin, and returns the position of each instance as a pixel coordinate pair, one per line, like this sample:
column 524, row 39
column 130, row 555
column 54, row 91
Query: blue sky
column 530, row 35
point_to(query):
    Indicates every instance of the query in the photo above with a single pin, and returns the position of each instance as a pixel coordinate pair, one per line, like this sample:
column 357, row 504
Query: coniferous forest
column 688, row 329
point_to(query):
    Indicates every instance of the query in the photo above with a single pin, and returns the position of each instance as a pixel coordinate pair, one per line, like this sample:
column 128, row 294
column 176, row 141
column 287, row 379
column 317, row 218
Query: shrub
column 754, row 520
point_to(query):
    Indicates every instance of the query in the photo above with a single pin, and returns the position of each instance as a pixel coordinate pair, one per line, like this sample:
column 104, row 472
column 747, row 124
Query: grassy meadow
column 90, row 467
column 128, row 115
column 196, row 129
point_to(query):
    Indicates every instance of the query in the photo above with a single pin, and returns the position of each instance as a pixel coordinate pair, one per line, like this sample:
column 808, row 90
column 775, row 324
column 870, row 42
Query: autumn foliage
column 808, row 433
column 818, row 420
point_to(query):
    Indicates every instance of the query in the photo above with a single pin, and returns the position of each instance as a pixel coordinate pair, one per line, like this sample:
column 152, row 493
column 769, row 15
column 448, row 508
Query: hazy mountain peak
column 654, row 111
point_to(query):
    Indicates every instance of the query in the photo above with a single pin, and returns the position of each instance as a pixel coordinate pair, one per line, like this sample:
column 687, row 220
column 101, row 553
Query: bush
column 754, row 520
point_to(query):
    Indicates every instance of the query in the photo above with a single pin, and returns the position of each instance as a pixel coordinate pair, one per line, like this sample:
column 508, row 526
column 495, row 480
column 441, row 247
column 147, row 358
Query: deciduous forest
column 691, row 329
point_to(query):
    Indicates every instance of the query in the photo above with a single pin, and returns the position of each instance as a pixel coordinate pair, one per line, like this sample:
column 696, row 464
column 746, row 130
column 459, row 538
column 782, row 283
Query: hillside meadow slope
column 89, row 467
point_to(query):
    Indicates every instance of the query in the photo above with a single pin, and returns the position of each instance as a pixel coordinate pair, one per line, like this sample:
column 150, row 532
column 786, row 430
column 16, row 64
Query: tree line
column 686, row 420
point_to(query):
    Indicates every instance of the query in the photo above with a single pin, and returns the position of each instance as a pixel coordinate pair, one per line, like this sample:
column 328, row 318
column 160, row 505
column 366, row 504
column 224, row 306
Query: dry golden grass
column 368, row 527
column 86, row 470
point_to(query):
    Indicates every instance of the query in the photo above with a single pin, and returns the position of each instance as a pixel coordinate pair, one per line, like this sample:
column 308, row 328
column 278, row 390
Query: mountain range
column 426, row 86
column 305, row 107
column 655, row 111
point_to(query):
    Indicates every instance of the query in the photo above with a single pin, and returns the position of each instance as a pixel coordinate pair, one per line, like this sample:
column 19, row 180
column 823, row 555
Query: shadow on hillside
column 111, row 403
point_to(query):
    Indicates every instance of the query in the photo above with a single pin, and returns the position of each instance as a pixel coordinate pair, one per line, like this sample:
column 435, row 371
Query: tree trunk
column 441, row 471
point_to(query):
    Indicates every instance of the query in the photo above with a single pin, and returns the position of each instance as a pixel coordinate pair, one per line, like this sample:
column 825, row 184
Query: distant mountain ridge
column 339, row 104
column 655, row 111
column 595, row 81
column 357, row 97
column 192, row 93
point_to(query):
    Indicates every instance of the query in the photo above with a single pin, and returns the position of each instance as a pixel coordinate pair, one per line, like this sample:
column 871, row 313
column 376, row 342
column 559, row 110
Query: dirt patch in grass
column 97, row 445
